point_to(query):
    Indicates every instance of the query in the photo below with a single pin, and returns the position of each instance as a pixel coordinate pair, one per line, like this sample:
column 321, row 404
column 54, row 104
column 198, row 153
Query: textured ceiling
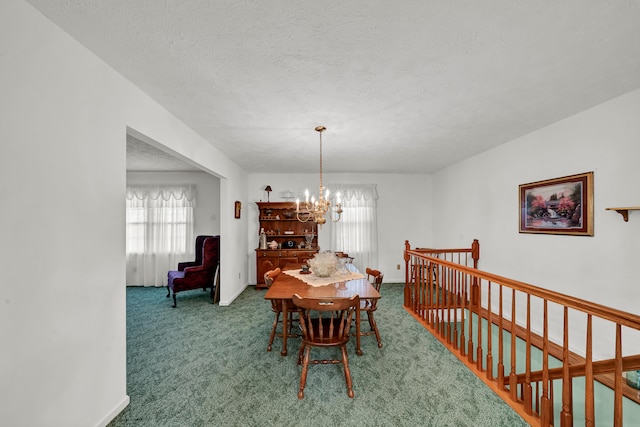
column 402, row 86
column 142, row 157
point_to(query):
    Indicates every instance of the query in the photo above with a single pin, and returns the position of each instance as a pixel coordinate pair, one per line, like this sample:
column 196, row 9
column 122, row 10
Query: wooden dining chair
column 348, row 259
column 369, row 306
column 325, row 322
column 276, row 307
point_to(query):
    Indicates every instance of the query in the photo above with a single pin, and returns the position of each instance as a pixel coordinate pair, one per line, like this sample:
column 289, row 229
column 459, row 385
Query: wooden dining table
column 285, row 286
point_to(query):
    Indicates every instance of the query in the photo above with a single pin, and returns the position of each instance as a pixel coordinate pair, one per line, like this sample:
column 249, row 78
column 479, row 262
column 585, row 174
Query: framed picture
column 558, row 206
column 238, row 206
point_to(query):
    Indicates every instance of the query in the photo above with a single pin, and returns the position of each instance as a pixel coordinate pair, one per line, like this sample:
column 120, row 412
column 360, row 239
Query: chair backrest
column 271, row 275
column 348, row 259
column 326, row 321
column 211, row 252
column 375, row 277
column 199, row 248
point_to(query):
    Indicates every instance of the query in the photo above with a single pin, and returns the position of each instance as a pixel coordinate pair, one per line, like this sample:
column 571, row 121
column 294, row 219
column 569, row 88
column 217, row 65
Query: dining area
column 319, row 306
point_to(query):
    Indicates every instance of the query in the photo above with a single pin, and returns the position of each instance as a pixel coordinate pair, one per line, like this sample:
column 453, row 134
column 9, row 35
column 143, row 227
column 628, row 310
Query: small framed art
column 237, row 208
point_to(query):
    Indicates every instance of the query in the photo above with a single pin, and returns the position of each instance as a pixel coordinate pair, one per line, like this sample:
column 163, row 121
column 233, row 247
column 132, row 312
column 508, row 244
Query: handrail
column 456, row 301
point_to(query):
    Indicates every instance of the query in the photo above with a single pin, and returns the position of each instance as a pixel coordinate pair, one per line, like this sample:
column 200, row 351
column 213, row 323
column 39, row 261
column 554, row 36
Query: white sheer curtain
column 357, row 232
column 159, row 231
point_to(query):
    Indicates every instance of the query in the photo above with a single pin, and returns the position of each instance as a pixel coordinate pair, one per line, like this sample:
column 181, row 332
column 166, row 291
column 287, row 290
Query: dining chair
column 369, row 306
column 348, row 259
column 325, row 322
column 276, row 307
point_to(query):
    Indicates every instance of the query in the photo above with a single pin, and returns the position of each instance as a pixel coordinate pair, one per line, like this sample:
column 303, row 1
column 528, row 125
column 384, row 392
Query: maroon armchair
column 198, row 276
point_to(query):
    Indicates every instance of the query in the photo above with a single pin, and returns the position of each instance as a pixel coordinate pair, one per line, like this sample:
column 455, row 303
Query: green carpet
column 205, row 365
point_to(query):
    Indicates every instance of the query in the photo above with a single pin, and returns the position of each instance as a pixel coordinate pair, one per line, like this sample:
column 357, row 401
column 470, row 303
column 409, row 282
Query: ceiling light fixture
column 315, row 210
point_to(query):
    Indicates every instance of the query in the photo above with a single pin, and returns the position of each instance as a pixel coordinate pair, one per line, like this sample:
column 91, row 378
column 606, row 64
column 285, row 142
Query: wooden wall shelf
column 625, row 211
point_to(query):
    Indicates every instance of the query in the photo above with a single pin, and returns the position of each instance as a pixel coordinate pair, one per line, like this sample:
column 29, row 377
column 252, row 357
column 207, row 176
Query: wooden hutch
column 278, row 219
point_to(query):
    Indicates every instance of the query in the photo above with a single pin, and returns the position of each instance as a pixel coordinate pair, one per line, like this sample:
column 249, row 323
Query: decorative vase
column 323, row 264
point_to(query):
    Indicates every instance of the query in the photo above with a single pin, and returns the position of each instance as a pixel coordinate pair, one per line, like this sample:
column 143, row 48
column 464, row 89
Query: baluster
column 446, row 305
column 471, row 305
column 450, row 283
column 551, row 400
column 544, row 413
column 417, row 288
column 489, row 337
column 617, row 396
column 566, row 414
column 420, row 298
column 512, row 375
column 436, row 291
column 429, row 291
column 456, row 307
column 527, row 375
column 465, row 298
column 407, row 290
column 479, row 327
column 500, row 344
column 440, row 292
column 589, row 410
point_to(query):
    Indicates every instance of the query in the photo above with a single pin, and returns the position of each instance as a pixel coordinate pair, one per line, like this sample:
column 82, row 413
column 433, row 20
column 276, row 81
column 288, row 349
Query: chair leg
column 347, row 372
column 291, row 320
column 168, row 291
column 305, row 369
column 374, row 327
column 273, row 331
column 175, row 303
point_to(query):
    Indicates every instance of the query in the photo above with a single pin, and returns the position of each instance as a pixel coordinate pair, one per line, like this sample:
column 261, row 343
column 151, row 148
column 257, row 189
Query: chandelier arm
column 307, row 218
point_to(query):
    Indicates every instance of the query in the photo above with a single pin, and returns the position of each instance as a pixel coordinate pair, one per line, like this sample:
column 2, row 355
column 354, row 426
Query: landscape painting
column 558, row 206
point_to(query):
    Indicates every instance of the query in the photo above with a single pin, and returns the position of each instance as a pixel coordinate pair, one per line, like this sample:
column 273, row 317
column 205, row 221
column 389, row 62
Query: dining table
column 285, row 286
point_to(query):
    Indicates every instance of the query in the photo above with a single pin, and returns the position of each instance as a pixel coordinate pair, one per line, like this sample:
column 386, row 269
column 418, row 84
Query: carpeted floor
column 205, row 365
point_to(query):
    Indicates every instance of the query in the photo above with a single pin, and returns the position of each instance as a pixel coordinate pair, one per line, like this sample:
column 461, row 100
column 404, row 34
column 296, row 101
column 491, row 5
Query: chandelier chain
column 316, row 210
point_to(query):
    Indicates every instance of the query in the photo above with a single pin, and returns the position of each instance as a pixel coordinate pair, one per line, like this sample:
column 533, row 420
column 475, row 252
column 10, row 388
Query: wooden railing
column 553, row 345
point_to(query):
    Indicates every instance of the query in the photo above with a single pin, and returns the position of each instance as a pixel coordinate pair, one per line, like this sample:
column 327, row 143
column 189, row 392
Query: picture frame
column 558, row 206
column 237, row 208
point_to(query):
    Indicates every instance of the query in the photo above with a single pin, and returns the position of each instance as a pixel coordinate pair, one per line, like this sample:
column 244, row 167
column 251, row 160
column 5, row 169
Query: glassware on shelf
column 308, row 237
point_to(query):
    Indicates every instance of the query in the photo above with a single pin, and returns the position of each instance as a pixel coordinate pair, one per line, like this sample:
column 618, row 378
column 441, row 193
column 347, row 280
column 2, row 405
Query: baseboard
column 114, row 413
column 228, row 302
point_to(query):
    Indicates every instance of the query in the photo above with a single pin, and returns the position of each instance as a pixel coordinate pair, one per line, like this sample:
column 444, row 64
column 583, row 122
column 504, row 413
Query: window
column 159, row 230
column 357, row 231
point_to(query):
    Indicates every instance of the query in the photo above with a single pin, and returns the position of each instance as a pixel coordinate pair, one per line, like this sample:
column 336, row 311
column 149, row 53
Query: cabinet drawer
column 268, row 254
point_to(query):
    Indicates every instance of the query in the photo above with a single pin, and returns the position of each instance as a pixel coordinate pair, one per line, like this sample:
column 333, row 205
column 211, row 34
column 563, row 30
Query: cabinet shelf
column 624, row 211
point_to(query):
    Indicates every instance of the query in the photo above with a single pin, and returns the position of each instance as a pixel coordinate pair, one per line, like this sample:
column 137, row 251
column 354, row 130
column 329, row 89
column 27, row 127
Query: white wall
column 404, row 207
column 64, row 118
column 478, row 198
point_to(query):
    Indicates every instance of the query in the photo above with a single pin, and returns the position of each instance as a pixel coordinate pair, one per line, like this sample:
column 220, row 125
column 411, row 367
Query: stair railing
column 457, row 302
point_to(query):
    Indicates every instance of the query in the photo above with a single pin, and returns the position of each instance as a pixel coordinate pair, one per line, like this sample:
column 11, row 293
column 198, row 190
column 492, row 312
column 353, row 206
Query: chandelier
column 316, row 209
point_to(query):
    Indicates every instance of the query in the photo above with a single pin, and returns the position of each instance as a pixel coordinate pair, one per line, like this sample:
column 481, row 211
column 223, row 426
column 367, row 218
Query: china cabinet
column 286, row 239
